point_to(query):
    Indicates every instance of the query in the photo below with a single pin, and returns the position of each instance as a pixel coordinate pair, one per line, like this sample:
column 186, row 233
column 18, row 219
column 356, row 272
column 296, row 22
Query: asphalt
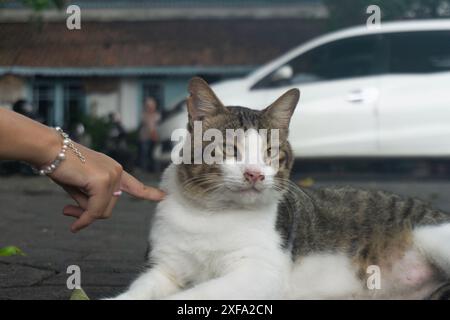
column 111, row 252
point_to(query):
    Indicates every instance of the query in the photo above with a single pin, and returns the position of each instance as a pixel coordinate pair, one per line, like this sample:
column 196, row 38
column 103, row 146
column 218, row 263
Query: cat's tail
column 442, row 293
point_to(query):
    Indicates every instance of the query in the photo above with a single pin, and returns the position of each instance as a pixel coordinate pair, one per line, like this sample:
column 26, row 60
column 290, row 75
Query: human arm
column 90, row 184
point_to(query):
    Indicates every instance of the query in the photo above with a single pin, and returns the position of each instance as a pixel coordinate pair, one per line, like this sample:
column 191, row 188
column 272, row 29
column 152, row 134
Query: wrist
column 45, row 149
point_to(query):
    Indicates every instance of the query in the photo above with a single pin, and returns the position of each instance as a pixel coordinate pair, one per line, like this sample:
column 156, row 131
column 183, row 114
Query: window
column 155, row 91
column 419, row 52
column 44, row 101
column 59, row 102
column 74, row 104
column 353, row 57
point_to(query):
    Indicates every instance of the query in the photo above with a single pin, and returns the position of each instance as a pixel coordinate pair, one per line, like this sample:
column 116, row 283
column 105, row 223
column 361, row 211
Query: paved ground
column 109, row 253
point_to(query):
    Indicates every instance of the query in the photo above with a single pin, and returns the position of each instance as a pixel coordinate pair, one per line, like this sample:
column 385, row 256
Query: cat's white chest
column 203, row 243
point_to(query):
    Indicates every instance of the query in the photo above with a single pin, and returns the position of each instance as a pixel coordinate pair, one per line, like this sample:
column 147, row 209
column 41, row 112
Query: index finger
column 133, row 186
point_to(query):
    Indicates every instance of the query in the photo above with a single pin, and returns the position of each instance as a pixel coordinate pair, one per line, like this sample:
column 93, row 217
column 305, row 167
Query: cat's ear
column 202, row 101
column 280, row 112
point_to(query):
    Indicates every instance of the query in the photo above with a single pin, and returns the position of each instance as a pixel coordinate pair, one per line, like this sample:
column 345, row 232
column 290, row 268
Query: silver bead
column 48, row 169
column 61, row 156
column 66, row 142
column 52, row 166
column 42, row 172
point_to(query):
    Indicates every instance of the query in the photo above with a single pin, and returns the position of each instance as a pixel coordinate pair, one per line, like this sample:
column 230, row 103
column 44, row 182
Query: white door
column 415, row 105
column 339, row 84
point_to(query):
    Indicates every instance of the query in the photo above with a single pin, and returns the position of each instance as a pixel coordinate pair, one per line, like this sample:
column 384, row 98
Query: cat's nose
column 253, row 176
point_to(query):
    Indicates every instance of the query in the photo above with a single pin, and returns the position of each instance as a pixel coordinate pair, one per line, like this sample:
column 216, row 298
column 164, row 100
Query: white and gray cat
column 240, row 231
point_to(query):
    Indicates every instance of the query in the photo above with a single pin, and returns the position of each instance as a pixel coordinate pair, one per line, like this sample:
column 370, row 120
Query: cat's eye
column 272, row 152
column 235, row 151
column 232, row 151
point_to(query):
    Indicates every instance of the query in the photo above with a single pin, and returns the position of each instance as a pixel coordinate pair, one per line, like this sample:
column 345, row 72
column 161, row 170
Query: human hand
column 92, row 184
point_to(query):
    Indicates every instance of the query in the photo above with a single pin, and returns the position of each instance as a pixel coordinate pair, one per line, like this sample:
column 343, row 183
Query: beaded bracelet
column 66, row 144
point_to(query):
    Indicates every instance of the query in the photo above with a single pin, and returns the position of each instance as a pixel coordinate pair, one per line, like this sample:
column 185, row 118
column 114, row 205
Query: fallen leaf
column 79, row 294
column 11, row 251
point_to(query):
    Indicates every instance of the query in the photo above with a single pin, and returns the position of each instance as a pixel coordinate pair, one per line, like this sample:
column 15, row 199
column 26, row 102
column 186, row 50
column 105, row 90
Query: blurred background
column 102, row 82
column 374, row 111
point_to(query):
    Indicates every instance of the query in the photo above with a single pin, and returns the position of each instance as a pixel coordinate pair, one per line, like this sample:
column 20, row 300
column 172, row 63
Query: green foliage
column 39, row 5
column 98, row 129
column 132, row 140
column 345, row 13
column 11, row 251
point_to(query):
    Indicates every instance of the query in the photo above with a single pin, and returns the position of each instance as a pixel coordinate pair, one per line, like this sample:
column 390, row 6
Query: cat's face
column 255, row 156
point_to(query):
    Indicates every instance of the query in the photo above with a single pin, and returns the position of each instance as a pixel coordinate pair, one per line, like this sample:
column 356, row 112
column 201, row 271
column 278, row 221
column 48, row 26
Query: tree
column 345, row 13
column 39, row 5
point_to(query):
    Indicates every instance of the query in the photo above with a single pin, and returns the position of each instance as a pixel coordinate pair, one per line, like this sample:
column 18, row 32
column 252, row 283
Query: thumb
column 134, row 187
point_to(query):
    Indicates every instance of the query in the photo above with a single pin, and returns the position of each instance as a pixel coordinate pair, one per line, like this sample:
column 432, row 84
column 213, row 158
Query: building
column 129, row 50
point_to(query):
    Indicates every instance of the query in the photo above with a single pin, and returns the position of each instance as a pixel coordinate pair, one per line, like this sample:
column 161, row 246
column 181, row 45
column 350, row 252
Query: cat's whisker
column 204, row 184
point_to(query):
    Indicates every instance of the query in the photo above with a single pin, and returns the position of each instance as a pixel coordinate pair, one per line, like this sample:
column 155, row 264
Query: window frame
column 36, row 94
column 59, row 100
column 82, row 97
column 161, row 87
column 389, row 42
column 383, row 62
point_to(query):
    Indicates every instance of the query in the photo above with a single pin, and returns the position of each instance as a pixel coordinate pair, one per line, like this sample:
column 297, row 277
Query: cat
column 244, row 231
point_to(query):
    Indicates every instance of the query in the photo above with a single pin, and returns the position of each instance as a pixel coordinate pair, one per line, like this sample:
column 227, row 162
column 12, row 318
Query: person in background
column 117, row 134
column 148, row 134
column 116, row 144
column 25, row 108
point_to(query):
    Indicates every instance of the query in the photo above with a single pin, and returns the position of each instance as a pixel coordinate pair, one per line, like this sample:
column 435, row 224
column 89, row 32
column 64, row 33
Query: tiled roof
column 230, row 42
column 171, row 3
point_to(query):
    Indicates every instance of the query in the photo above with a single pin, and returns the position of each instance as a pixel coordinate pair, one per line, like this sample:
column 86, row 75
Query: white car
column 371, row 92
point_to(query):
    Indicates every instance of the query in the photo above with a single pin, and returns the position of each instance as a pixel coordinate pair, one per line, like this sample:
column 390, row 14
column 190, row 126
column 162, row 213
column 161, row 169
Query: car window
column 419, row 52
column 347, row 58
